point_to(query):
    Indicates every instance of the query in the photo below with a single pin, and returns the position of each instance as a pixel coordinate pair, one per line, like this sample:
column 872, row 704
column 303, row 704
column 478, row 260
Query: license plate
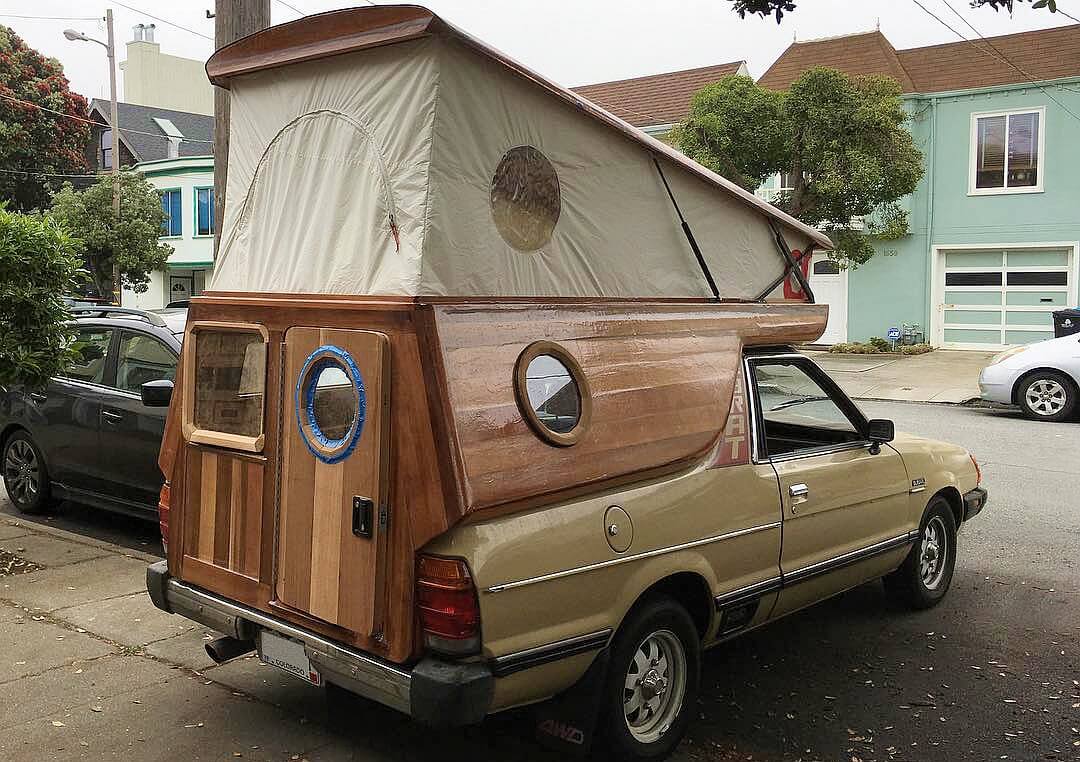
column 288, row 655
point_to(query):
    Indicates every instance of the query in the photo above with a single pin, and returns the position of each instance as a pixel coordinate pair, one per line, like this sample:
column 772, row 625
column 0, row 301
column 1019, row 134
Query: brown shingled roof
column 656, row 99
column 854, row 54
column 1043, row 54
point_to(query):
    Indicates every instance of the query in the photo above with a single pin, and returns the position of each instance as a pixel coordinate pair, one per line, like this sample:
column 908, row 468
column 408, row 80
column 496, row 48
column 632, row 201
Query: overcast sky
column 573, row 42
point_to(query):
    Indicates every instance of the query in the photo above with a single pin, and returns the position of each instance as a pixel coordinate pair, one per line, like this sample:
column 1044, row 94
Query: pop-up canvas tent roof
column 379, row 150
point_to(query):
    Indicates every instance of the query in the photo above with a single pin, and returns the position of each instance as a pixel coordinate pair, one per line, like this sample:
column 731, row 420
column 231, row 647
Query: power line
column 163, row 21
column 1027, row 75
column 83, row 175
column 99, row 124
column 952, row 29
column 292, row 8
column 50, row 18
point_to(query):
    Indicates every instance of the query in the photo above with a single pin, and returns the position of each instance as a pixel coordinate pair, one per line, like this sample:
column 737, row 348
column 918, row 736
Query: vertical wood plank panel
column 223, row 511
column 253, row 506
column 207, row 506
column 236, row 511
column 326, row 540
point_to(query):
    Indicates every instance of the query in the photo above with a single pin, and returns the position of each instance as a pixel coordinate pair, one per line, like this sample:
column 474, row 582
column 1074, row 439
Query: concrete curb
column 63, row 534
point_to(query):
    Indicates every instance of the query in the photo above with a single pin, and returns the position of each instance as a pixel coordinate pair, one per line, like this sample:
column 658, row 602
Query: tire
column 26, row 477
column 923, row 579
column 658, row 630
column 1047, row 395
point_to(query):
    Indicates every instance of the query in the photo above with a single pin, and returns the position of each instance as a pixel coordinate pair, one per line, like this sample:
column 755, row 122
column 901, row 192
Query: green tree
column 840, row 139
column 33, row 140
column 778, row 8
column 39, row 264
column 131, row 243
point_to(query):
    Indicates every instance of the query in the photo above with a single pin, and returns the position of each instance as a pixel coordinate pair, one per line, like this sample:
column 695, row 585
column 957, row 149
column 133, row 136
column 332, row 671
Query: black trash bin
column 1067, row 322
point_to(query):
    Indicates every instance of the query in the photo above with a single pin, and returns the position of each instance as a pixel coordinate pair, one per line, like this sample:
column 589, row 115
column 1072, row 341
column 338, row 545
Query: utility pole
column 115, row 116
column 110, row 51
column 233, row 19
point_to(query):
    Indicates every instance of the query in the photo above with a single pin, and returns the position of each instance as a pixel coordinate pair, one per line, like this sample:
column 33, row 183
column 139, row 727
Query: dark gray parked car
column 88, row 436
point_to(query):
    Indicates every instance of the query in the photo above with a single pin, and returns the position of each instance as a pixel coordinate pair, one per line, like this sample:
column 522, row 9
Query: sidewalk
column 940, row 376
column 90, row 670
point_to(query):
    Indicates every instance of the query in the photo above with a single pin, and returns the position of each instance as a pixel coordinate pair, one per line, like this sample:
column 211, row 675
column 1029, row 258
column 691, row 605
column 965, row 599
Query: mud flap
column 568, row 723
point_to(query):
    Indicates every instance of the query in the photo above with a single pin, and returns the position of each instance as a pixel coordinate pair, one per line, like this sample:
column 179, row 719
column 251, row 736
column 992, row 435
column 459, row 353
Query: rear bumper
column 974, row 502
column 437, row 692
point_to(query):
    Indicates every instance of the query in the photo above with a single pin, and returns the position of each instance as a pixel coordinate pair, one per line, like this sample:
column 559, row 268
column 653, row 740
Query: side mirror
column 879, row 430
column 156, row 393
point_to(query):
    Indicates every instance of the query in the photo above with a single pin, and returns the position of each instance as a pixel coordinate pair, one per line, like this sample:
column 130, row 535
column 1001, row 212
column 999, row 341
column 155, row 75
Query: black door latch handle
column 362, row 510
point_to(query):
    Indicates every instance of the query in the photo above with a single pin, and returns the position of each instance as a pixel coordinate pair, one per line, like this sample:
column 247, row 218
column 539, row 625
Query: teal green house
column 995, row 222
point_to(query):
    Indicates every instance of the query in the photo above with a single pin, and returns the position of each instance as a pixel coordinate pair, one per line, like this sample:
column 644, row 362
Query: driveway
column 89, row 670
column 940, row 376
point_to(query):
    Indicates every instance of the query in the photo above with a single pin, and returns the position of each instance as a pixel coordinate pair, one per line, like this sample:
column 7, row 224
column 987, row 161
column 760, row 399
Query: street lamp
column 110, row 49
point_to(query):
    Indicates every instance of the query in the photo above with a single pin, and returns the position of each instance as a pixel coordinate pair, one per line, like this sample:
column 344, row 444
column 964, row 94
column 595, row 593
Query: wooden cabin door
column 332, row 504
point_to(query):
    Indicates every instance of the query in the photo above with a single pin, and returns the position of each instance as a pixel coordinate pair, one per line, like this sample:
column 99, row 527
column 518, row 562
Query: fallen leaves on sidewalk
column 10, row 563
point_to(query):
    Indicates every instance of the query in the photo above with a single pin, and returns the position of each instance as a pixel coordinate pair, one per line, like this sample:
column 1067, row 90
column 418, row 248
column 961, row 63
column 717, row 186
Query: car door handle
column 38, row 397
column 111, row 417
column 799, row 490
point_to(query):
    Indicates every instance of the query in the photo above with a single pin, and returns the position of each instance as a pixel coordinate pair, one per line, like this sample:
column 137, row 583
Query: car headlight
column 1003, row 356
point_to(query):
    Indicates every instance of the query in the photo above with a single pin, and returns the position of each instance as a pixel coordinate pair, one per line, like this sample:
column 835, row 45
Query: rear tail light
column 978, row 471
column 163, row 515
column 447, row 605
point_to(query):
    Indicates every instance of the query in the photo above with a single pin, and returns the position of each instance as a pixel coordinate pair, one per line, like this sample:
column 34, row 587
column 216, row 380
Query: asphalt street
column 992, row 673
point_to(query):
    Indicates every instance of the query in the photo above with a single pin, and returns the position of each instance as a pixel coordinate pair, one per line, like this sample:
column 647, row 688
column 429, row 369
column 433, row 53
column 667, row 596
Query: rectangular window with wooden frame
column 1007, row 150
column 225, row 385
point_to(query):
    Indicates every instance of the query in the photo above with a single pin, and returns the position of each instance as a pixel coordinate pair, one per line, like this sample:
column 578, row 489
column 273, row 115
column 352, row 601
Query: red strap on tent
column 792, row 289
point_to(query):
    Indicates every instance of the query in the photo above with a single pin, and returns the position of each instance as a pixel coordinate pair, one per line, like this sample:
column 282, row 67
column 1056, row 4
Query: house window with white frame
column 1007, row 152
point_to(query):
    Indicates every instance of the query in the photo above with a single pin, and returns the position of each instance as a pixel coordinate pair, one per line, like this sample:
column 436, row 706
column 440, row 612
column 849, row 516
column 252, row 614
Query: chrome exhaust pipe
column 225, row 648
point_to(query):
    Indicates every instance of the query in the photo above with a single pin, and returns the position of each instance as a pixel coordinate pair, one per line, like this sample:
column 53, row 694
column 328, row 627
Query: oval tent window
column 554, row 395
column 525, row 198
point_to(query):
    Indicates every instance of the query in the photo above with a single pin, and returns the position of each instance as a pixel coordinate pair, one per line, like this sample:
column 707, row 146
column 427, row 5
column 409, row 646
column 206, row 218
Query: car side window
column 92, row 343
column 142, row 358
column 797, row 413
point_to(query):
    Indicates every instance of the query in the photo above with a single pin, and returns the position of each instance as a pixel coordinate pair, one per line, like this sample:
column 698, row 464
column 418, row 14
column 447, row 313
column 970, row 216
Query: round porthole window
column 552, row 393
column 330, row 404
column 525, row 198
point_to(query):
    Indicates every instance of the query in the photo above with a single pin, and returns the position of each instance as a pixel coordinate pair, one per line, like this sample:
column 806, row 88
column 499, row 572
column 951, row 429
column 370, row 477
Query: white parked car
column 1043, row 378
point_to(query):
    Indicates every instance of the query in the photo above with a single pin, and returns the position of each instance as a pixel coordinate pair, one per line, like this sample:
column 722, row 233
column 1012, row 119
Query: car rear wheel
column 652, row 682
column 1047, row 395
column 924, row 577
column 26, row 478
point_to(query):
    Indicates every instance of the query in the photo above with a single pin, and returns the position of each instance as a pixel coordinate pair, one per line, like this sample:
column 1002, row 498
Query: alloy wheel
column 1046, row 397
column 934, row 553
column 655, row 686
column 22, row 473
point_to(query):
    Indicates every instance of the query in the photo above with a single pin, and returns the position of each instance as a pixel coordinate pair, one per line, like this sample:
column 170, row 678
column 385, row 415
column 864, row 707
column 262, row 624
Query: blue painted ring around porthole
column 322, row 447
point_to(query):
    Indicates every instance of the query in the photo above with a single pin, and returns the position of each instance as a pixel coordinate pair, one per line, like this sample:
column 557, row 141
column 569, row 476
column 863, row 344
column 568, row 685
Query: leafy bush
column 916, row 349
column 877, row 346
column 854, row 348
column 39, row 264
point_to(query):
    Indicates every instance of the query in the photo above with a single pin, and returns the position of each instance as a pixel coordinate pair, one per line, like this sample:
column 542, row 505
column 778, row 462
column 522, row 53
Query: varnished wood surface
column 418, row 508
column 323, row 568
column 663, row 373
column 223, row 495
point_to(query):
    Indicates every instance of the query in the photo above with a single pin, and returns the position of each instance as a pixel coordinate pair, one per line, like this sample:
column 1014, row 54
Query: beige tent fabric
column 321, row 155
column 371, row 172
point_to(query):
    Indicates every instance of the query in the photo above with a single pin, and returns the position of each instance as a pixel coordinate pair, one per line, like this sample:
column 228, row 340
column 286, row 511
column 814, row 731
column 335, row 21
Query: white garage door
column 992, row 298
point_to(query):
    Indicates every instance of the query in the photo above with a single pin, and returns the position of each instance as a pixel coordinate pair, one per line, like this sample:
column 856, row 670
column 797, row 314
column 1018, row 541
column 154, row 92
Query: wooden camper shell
column 659, row 376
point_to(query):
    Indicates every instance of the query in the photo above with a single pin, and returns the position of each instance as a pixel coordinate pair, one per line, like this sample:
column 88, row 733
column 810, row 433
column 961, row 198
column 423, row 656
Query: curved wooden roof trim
column 344, row 31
